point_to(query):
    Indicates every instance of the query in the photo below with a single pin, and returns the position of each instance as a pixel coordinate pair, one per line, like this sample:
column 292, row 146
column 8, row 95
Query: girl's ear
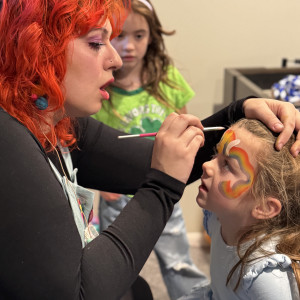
column 270, row 209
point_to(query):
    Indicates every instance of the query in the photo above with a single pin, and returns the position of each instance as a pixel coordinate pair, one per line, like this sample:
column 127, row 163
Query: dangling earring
column 40, row 102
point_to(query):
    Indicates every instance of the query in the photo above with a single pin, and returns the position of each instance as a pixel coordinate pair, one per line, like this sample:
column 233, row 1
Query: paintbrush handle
column 205, row 129
column 215, row 128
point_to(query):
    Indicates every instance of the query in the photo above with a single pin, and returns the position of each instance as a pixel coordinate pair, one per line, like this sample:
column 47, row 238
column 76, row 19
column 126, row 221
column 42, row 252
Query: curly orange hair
column 34, row 35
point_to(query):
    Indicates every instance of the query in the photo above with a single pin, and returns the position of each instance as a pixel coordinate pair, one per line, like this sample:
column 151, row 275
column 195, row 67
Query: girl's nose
column 207, row 168
column 128, row 43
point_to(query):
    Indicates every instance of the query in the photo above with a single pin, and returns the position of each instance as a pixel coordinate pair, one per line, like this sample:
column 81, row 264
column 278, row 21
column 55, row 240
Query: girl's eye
column 120, row 36
column 139, row 36
column 226, row 165
column 95, row 46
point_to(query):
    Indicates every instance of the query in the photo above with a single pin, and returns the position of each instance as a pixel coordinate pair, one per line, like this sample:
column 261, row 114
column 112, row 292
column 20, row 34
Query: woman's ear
column 270, row 209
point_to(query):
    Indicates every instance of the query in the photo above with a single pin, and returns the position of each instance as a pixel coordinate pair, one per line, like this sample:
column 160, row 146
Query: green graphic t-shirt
column 140, row 112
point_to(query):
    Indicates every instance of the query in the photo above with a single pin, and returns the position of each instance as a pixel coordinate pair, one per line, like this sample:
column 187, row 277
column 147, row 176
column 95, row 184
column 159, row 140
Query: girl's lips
column 203, row 187
column 127, row 58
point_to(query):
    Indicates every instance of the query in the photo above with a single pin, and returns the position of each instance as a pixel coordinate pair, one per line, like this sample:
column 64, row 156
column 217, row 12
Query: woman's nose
column 115, row 61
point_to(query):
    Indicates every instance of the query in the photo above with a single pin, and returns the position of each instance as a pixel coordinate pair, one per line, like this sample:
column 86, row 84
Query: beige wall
column 212, row 35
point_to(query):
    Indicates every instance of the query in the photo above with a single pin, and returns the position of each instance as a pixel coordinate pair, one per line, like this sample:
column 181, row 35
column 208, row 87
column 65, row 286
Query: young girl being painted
column 146, row 90
column 250, row 193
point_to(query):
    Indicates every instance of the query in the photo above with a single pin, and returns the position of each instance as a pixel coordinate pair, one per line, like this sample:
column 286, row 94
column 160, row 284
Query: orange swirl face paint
column 227, row 146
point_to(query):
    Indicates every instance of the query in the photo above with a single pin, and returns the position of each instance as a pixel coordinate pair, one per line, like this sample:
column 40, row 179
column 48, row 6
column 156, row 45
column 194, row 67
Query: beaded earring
column 40, row 102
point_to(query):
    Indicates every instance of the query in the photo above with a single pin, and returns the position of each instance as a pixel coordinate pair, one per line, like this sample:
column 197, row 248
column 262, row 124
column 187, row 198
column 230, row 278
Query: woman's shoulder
column 20, row 151
column 15, row 133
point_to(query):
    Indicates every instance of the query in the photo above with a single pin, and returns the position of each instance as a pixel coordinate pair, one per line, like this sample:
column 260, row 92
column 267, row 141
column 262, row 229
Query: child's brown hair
column 156, row 60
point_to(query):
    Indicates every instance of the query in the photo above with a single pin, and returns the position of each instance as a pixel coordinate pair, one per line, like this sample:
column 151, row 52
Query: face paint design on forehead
column 227, row 147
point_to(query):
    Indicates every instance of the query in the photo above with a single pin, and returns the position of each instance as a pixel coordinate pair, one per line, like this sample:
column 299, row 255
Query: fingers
column 168, row 121
column 193, row 135
column 290, row 118
column 264, row 111
column 277, row 115
column 176, row 145
column 187, row 127
column 177, row 124
column 295, row 149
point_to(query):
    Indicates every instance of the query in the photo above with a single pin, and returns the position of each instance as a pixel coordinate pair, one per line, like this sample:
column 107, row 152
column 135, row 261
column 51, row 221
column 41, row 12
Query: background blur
column 212, row 35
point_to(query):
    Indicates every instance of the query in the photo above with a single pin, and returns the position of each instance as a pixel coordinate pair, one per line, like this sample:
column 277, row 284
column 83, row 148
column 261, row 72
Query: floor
column 200, row 254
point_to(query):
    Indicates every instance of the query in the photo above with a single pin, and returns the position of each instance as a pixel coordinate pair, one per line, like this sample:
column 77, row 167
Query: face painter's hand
column 176, row 145
column 279, row 116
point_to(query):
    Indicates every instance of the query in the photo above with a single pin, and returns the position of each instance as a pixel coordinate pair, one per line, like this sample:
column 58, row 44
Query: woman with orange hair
column 55, row 63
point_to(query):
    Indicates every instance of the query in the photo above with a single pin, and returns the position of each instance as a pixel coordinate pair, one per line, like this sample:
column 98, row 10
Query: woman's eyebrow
column 105, row 33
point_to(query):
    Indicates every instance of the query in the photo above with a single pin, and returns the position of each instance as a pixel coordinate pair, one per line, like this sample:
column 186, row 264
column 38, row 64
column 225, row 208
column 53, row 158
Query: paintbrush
column 205, row 129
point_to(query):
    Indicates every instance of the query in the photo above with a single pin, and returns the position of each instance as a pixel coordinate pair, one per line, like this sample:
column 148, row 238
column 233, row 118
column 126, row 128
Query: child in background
column 146, row 90
column 251, row 196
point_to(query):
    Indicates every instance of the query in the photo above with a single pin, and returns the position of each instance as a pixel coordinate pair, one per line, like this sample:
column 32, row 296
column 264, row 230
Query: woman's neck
column 128, row 79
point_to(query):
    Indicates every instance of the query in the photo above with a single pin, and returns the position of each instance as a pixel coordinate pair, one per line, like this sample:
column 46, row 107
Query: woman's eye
column 95, row 46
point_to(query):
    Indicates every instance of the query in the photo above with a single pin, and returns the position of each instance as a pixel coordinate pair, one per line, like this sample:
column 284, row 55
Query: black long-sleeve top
column 41, row 254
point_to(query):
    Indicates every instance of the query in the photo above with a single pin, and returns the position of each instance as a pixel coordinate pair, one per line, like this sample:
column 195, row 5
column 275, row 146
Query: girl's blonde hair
column 156, row 60
column 278, row 176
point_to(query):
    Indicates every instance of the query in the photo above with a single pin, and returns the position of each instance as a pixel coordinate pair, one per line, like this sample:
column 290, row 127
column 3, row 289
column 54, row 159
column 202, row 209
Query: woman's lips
column 103, row 92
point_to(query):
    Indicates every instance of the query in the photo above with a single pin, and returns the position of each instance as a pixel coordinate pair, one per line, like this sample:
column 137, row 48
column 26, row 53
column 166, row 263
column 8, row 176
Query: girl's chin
column 200, row 202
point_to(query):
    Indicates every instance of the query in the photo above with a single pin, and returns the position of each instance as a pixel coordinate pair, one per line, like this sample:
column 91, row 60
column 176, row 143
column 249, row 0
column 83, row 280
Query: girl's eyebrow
column 136, row 31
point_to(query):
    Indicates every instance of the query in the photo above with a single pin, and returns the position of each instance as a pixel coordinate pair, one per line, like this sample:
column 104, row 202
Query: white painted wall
column 212, row 35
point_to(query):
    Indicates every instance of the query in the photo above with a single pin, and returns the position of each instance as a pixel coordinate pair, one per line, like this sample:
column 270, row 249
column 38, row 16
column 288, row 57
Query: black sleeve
column 41, row 255
column 107, row 163
column 119, row 165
